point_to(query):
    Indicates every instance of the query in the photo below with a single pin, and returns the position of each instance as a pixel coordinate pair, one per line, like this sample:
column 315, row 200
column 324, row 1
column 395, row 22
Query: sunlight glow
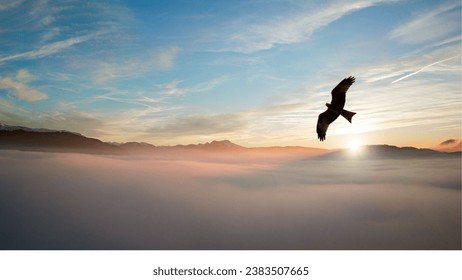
column 354, row 146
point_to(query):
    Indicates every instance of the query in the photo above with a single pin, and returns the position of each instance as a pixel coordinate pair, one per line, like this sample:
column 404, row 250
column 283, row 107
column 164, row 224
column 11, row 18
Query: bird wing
column 339, row 92
column 324, row 120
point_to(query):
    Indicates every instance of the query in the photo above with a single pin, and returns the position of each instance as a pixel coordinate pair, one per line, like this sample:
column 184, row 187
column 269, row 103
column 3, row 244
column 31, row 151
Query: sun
column 354, row 145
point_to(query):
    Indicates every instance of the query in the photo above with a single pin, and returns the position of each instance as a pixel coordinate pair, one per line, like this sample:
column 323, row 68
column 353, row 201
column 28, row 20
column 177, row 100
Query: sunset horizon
column 453, row 145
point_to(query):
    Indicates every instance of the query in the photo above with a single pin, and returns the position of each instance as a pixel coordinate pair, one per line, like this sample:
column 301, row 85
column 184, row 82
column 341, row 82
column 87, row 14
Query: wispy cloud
column 11, row 113
column 423, row 68
column 9, row 4
column 19, row 88
column 436, row 24
column 432, row 82
column 50, row 34
column 173, row 87
column 140, row 99
column 164, row 59
column 405, row 67
column 49, row 49
column 384, row 108
column 199, row 125
column 293, row 28
column 114, row 68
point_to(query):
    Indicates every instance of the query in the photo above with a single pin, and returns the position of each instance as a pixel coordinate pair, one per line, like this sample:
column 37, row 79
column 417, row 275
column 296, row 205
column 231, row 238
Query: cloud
column 49, row 49
column 424, row 68
column 199, row 125
column 87, row 123
column 451, row 145
column 435, row 107
column 448, row 142
column 257, row 125
column 436, row 24
column 404, row 67
column 115, row 68
column 293, row 28
column 9, row 4
column 164, row 59
column 49, row 28
column 11, row 113
column 99, row 202
column 172, row 87
column 140, row 100
column 427, row 108
column 19, row 88
column 50, row 34
column 290, row 117
column 24, row 76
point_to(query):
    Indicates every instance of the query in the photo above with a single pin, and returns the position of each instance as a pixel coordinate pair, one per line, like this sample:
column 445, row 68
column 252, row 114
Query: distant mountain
column 136, row 147
column 41, row 139
column 141, row 147
column 223, row 145
column 451, row 145
column 4, row 127
column 388, row 152
column 29, row 139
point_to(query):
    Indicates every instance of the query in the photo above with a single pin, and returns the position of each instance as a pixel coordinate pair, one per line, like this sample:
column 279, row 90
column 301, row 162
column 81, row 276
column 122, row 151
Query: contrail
column 423, row 68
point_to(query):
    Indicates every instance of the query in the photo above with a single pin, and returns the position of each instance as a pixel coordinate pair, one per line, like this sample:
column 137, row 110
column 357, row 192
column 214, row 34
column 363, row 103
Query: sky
column 257, row 73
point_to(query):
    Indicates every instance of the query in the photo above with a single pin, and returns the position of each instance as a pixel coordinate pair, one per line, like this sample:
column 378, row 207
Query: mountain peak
column 214, row 145
column 223, row 144
column 41, row 139
column 5, row 127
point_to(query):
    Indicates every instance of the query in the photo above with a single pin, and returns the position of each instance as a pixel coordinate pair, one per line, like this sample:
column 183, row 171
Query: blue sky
column 255, row 72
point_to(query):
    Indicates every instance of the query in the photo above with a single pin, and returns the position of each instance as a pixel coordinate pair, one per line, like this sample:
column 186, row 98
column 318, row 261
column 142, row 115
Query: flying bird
column 335, row 108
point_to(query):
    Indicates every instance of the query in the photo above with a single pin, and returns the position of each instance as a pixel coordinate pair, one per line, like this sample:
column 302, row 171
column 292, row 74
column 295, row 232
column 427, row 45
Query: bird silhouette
column 335, row 108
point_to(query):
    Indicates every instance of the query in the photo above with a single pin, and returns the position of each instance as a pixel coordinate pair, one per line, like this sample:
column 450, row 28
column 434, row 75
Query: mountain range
column 30, row 139
column 41, row 139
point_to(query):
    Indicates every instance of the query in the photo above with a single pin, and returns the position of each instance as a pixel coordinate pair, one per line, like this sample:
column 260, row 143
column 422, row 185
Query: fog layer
column 73, row 201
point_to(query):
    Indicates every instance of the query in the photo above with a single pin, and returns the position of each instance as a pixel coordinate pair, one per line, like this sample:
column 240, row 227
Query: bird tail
column 347, row 115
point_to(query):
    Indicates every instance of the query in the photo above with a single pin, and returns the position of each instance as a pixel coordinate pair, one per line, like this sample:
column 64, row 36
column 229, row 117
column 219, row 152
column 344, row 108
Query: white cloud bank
column 69, row 201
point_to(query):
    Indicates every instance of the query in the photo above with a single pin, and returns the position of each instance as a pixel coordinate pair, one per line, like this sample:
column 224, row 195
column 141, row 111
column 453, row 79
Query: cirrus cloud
column 294, row 28
column 49, row 49
column 443, row 21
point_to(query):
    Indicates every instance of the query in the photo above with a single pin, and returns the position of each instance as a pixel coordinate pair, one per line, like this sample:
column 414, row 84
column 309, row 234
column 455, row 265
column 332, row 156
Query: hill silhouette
column 31, row 139
column 53, row 141
column 388, row 152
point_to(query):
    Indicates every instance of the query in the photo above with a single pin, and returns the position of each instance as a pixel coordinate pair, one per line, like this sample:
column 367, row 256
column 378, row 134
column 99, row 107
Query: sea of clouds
column 76, row 201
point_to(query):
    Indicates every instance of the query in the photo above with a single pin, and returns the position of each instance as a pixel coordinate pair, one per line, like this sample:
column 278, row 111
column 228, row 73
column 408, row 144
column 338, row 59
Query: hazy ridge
column 30, row 139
